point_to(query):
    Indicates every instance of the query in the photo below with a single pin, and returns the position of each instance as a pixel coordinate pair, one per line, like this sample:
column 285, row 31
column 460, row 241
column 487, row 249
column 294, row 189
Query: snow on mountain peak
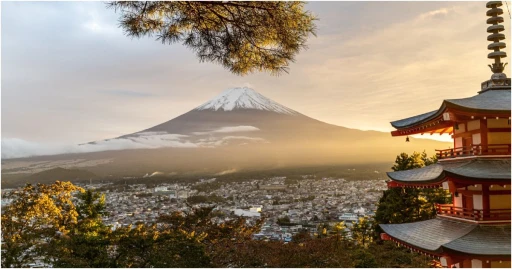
column 244, row 98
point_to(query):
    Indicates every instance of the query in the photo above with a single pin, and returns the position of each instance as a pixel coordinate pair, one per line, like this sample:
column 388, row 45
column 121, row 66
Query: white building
column 245, row 213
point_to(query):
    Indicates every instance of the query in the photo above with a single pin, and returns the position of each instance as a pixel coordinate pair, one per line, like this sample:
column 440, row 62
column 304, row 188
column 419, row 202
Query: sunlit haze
column 70, row 75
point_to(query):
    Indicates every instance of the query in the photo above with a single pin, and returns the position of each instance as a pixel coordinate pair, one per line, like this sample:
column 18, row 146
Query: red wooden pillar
column 486, row 204
column 483, row 136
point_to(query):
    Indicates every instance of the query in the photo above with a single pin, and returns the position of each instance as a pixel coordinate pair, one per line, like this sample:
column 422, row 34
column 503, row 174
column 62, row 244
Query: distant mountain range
column 239, row 129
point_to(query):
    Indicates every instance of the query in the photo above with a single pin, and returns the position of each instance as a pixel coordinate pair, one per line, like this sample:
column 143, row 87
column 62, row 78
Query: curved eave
column 417, row 183
column 484, row 240
column 477, row 170
column 482, row 170
column 411, row 121
column 441, row 235
column 432, row 174
column 416, row 120
column 490, row 103
column 429, row 235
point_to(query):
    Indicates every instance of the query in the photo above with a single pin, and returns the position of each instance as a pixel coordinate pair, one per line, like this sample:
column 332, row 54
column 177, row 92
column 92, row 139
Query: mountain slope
column 241, row 115
column 240, row 129
column 61, row 174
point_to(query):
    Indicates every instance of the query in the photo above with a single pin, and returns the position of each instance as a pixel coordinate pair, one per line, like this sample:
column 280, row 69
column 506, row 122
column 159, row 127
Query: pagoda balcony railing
column 474, row 150
column 472, row 214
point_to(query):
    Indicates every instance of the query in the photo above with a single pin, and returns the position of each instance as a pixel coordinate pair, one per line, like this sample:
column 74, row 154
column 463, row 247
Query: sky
column 69, row 75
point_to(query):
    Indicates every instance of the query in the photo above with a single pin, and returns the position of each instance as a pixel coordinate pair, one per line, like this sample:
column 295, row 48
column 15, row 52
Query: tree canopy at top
column 241, row 36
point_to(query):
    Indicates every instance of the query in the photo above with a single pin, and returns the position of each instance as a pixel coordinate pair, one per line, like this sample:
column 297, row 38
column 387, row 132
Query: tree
column 362, row 232
column 63, row 223
column 402, row 205
column 364, row 259
column 220, row 240
column 147, row 246
column 302, row 236
column 241, row 36
column 88, row 242
column 35, row 216
column 416, row 160
column 388, row 255
column 340, row 230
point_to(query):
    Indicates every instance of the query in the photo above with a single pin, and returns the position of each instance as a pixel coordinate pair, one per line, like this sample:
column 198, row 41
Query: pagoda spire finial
column 498, row 78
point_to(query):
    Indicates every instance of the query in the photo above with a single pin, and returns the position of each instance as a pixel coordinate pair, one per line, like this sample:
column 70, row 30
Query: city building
column 474, row 230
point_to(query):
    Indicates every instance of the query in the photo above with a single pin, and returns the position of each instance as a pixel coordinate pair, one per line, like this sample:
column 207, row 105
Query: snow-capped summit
column 244, row 98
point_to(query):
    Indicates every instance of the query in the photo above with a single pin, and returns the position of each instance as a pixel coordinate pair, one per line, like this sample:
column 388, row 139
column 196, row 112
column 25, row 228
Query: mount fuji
column 237, row 129
column 236, row 117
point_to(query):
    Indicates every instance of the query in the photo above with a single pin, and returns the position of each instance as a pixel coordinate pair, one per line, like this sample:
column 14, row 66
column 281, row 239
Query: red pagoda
column 474, row 230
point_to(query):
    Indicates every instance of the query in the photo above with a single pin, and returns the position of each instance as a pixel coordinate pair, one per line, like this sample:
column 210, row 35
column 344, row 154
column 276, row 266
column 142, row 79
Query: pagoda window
column 476, row 139
column 478, row 202
column 497, row 123
column 475, row 263
column 501, row 201
column 461, row 129
column 473, row 125
column 458, row 142
column 457, row 200
column 498, row 138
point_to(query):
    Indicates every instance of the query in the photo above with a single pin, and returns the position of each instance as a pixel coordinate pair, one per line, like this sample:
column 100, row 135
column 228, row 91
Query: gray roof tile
column 425, row 174
column 496, row 169
column 429, row 234
column 489, row 101
column 484, row 240
column 483, row 169
column 439, row 234
column 412, row 120
column 495, row 100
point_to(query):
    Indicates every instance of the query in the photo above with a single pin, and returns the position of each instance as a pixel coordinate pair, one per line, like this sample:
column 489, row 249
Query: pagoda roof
column 413, row 120
column 484, row 240
column 470, row 169
column 481, row 169
column 439, row 234
column 492, row 101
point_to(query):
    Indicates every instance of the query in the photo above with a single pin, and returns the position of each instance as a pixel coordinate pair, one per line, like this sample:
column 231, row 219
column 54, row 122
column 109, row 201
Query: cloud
column 438, row 13
column 229, row 171
column 127, row 93
column 139, row 142
column 96, row 21
column 230, row 129
column 215, row 142
column 19, row 148
column 157, row 173
column 378, row 76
